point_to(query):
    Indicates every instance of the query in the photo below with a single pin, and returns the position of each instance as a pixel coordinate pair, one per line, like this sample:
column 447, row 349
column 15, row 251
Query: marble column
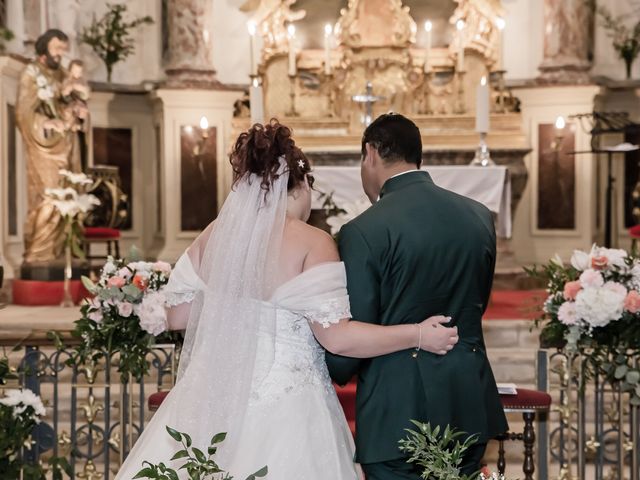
column 568, row 42
column 15, row 19
column 189, row 62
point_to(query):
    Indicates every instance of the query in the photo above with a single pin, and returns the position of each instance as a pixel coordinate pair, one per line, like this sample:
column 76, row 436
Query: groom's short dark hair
column 395, row 137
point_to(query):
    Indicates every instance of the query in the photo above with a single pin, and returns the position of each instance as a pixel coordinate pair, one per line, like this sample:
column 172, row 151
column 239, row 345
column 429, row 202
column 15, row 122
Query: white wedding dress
column 295, row 424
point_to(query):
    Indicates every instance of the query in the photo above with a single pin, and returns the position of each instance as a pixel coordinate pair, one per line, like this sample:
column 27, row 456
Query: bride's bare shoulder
column 319, row 244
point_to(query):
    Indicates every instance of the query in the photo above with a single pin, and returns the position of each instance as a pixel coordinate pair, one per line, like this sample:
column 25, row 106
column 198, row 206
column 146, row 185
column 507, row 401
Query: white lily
column 76, row 178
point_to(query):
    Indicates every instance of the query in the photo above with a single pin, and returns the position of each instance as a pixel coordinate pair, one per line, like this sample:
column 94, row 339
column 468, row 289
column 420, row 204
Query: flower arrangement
column 20, row 411
column 46, row 92
column 198, row 465
column 626, row 41
column 125, row 315
column 73, row 203
column 593, row 308
column 110, row 37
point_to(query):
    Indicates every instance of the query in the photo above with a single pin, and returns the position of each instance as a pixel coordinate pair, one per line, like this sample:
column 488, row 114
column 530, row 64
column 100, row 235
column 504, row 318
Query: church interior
column 530, row 107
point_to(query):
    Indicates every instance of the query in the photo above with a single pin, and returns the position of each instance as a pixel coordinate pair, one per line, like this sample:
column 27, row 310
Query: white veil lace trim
column 238, row 266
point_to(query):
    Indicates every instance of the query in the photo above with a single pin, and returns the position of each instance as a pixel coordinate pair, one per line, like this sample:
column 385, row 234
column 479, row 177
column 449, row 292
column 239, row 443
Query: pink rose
column 95, row 316
column 116, row 282
column 125, row 309
column 571, row 290
column 632, row 302
column 591, row 278
column 567, row 313
column 599, row 262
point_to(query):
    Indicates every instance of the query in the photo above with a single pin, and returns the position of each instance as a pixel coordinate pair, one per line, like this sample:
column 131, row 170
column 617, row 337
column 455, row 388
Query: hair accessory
column 301, row 164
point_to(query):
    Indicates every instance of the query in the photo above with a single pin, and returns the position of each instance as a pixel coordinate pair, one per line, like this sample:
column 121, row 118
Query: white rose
column 580, row 260
column 598, row 306
column 152, row 314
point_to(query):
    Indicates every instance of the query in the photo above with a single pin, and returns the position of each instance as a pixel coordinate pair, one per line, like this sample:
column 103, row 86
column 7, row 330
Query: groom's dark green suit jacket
column 420, row 251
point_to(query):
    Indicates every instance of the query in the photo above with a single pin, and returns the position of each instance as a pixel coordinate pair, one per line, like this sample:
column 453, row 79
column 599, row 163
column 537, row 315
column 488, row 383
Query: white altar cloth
column 490, row 186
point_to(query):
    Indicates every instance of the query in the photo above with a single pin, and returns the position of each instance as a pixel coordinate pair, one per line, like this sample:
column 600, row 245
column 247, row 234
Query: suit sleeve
column 363, row 285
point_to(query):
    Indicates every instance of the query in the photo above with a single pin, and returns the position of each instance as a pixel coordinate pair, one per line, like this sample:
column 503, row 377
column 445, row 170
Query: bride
column 260, row 294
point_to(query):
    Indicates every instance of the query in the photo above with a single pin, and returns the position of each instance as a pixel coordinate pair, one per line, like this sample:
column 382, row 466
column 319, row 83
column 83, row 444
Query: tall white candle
column 482, row 106
column 427, row 48
column 501, row 24
column 460, row 27
column 327, row 48
column 251, row 27
column 291, row 31
column 255, row 102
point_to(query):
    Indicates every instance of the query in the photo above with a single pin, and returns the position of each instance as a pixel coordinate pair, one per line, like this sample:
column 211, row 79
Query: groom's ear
column 372, row 154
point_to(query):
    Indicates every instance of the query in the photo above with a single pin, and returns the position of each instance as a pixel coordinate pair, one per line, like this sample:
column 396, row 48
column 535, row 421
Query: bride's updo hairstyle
column 259, row 149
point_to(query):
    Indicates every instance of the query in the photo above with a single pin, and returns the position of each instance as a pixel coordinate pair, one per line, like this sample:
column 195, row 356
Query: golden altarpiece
column 377, row 42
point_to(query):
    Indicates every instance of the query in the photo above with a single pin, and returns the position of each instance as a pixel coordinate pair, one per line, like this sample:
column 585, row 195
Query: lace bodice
column 288, row 359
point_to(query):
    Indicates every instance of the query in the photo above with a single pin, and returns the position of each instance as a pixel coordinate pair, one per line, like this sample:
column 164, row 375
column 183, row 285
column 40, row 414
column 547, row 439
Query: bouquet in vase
column 125, row 316
column 593, row 308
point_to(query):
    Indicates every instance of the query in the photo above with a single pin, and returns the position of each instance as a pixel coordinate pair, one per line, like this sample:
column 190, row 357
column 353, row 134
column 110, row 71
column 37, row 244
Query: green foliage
column 438, row 455
column 110, row 37
column 5, row 36
column 199, row 466
column 626, row 40
column 16, row 431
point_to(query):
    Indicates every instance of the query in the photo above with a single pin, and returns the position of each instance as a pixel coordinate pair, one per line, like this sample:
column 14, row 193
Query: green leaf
column 212, row 451
column 88, row 284
column 174, row 434
column 259, row 474
column 633, row 376
column 187, row 439
column 621, row 371
column 219, row 437
column 200, row 456
column 180, row 454
column 146, row 473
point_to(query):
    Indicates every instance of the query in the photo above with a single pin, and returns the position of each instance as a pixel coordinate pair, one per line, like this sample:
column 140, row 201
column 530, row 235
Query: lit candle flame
column 251, row 26
column 204, row 123
column 483, row 81
column 291, row 30
column 428, row 25
column 460, row 24
column 560, row 123
column 328, row 30
column 501, row 23
column 255, row 83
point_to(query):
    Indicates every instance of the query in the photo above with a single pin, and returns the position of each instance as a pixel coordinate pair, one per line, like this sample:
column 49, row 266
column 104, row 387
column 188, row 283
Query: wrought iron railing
column 594, row 427
column 93, row 418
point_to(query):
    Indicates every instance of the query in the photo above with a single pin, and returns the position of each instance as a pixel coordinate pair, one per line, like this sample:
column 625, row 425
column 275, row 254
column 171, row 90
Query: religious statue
column 46, row 126
column 75, row 93
column 271, row 17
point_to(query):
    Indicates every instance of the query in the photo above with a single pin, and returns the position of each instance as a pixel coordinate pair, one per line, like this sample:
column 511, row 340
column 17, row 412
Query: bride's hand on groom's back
column 434, row 337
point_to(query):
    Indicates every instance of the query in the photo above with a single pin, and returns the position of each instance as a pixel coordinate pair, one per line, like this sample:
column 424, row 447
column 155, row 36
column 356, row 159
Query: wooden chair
column 110, row 236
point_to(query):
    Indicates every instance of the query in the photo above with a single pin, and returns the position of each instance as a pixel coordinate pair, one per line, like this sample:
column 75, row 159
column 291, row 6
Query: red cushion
column 635, row 231
column 526, row 400
column 102, row 232
column 156, row 399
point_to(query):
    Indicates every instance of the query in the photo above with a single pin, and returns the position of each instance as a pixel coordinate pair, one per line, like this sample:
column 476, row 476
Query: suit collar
column 401, row 181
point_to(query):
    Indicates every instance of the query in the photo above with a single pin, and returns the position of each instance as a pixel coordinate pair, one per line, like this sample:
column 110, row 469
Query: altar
column 490, row 186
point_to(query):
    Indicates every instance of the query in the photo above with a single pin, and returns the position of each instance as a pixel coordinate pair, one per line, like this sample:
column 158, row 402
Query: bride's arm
column 350, row 338
column 178, row 313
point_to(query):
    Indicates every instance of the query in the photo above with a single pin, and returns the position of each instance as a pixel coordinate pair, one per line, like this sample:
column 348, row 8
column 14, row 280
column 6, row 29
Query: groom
column 418, row 251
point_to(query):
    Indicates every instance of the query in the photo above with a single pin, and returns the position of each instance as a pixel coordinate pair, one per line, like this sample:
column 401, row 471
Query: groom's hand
column 436, row 338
